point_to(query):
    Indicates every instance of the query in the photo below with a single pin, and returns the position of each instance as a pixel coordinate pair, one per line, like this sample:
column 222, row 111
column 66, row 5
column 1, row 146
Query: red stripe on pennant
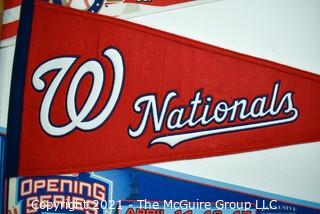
column 9, row 30
column 8, row 4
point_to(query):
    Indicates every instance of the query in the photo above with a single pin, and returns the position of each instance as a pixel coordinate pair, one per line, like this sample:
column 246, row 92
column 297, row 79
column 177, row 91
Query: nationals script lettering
column 177, row 118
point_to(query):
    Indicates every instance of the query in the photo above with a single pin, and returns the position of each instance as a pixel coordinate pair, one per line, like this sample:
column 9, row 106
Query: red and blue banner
column 92, row 92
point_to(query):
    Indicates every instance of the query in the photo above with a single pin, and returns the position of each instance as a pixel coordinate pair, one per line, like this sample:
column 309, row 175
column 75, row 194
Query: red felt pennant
column 102, row 93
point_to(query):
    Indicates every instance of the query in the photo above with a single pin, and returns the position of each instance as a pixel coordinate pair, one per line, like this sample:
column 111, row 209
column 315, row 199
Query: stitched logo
column 78, row 119
column 202, row 112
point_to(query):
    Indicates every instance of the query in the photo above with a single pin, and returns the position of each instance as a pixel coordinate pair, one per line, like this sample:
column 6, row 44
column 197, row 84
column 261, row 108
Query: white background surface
column 284, row 31
column 5, row 79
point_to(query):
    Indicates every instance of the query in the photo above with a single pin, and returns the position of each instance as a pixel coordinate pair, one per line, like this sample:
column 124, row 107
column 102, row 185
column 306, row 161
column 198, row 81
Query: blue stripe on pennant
column 3, row 131
column 2, row 171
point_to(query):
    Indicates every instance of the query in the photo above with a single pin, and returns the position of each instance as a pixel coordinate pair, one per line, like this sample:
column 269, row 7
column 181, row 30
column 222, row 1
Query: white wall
column 5, row 79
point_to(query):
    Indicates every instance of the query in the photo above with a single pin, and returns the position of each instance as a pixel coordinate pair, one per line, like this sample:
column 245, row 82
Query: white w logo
column 78, row 119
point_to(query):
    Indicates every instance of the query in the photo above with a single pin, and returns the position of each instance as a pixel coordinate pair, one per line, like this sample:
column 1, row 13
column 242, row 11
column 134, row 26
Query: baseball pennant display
column 92, row 92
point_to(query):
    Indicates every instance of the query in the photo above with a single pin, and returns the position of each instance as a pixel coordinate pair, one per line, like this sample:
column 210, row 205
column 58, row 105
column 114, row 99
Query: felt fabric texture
column 177, row 99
